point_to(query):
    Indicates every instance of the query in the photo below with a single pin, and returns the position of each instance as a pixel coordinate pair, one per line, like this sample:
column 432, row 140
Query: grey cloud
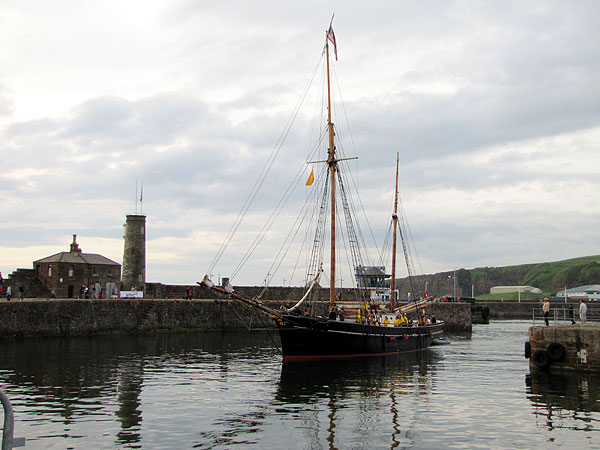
column 156, row 120
column 517, row 73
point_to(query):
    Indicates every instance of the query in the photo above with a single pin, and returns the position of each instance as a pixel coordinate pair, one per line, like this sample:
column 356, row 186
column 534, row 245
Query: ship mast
column 332, row 163
column 395, row 225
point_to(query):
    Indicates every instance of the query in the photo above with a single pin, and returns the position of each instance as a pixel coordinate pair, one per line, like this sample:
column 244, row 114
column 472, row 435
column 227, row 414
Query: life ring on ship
column 527, row 350
column 556, row 352
column 541, row 359
column 405, row 336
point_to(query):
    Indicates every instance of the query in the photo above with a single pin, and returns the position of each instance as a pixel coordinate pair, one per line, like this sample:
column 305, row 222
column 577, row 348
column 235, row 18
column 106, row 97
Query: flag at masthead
column 331, row 38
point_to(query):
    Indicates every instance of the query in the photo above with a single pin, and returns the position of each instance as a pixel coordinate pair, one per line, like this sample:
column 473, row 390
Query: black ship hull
column 313, row 338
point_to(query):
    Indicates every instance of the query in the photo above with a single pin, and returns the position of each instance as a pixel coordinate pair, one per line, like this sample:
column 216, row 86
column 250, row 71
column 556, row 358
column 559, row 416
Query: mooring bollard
column 8, row 441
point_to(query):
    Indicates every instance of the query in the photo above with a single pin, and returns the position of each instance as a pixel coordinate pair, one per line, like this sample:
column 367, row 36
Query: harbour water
column 231, row 390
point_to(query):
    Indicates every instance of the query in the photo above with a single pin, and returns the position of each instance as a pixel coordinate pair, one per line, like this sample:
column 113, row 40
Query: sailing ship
column 312, row 336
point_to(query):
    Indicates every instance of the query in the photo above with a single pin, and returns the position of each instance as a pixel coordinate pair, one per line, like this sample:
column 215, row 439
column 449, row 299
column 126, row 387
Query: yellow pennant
column 311, row 178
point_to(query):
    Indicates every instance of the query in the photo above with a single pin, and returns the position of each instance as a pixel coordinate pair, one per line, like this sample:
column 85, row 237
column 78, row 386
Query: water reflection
column 565, row 400
column 77, row 380
column 222, row 390
column 306, row 381
column 396, row 383
column 129, row 389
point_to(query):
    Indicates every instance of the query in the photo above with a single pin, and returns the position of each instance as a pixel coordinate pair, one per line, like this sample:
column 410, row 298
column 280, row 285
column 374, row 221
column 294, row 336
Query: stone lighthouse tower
column 134, row 254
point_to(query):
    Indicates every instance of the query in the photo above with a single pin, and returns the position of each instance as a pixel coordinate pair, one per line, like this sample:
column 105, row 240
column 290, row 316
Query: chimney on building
column 74, row 245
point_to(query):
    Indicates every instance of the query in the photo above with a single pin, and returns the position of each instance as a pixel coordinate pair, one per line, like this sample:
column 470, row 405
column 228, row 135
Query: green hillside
column 550, row 277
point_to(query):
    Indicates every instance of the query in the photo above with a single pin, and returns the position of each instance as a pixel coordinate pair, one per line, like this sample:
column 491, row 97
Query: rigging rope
column 263, row 174
column 270, row 221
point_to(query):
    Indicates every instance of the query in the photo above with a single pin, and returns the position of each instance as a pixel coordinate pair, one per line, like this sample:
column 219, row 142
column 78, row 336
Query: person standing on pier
column 546, row 310
column 582, row 312
column 571, row 314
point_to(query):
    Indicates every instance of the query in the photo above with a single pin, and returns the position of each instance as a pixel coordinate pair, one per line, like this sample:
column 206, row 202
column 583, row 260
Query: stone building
column 65, row 273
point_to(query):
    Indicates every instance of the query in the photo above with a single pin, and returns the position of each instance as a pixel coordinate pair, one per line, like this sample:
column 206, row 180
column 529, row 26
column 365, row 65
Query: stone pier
column 66, row 317
column 572, row 347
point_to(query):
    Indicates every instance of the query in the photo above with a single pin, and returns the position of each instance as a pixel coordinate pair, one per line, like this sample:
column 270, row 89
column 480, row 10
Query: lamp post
column 454, row 285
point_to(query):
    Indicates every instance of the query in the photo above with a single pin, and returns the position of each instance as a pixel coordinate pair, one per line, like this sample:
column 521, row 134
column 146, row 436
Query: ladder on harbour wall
column 8, row 441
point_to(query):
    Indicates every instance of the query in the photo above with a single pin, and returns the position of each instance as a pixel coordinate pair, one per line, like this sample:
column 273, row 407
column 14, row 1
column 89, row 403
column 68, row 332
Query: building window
column 142, row 229
column 49, row 271
column 70, row 271
column 95, row 271
column 109, row 272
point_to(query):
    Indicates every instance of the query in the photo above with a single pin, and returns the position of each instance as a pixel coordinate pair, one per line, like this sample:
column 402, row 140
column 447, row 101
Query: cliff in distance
column 550, row 277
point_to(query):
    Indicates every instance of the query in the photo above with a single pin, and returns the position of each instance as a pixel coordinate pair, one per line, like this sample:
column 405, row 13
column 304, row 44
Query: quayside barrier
column 8, row 441
column 560, row 316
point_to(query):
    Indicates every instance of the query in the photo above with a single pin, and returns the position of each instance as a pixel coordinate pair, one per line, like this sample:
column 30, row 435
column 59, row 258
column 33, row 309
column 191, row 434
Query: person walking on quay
column 8, row 293
column 21, row 293
column 583, row 312
column 546, row 310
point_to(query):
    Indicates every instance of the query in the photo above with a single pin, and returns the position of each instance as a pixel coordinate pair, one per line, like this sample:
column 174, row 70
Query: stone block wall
column 456, row 316
column 26, row 278
column 581, row 345
column 81, row 317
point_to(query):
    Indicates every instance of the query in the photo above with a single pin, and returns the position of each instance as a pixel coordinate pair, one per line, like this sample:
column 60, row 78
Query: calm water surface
column 215, row 390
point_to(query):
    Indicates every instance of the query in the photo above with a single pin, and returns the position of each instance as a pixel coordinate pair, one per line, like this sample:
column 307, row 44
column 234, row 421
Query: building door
column 70, row 291
column 109, row 290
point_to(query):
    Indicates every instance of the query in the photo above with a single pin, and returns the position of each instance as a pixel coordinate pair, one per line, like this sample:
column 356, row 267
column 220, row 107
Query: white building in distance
column 507, row 289
column 588, row 292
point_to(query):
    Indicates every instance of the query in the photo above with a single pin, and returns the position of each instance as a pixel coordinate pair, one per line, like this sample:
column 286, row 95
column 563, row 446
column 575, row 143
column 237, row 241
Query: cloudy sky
column 494, row 108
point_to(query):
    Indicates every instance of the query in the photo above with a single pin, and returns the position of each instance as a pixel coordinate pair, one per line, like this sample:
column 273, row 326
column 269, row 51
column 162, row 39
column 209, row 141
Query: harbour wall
column 529, row 310
column 572, row 347
column 83, row 317
column 508, row 310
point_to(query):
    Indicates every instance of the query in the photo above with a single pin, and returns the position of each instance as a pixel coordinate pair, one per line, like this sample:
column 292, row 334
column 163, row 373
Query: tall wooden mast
column 332, row 162
column 395, row 226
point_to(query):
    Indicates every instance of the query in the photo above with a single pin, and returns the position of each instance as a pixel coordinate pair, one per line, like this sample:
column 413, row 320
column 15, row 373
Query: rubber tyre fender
column 556, row 352
column 527, row 350
column 541, row 359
